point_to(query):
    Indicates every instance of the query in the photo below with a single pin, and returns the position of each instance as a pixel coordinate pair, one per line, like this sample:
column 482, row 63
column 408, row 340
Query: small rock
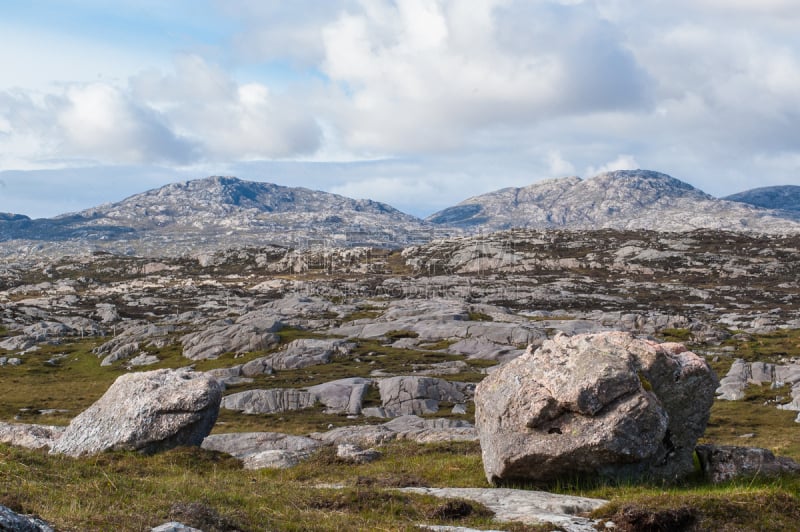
column 725, row 462
column 356, row 454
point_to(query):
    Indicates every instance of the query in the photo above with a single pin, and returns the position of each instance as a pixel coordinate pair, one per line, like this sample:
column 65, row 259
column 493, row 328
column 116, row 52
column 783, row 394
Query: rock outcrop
column 402, row 428
column 268, row 401
column 603, row 404
column 727, row 462
column 148, row 412
column 216, row 340
column 259, row 450
column 411, row 395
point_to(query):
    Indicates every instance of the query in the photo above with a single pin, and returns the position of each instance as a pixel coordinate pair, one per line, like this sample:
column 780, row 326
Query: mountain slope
column 223, row 212
column 625, row 199
column 786, row 198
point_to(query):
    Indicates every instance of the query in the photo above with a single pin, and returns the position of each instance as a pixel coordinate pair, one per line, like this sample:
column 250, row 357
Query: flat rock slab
column 260, row 450
column 402, row 428
column 530, row 507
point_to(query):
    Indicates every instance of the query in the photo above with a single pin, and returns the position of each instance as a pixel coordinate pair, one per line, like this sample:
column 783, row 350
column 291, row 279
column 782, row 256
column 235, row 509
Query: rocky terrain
column 624, row 199
column 293, row 354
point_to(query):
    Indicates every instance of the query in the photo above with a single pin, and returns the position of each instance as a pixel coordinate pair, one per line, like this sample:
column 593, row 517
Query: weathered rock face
column 148, row 412
column 259, row 450
column 268, row 401
column 236, row 337
column 411, row 395
column 726, row 462
column 603, row 404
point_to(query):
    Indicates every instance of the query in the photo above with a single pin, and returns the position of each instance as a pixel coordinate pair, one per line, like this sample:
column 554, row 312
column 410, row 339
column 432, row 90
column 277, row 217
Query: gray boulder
column 259, row 450
column 344, row 396
column 13, row 522
column 268, row 401
column 726, row 462
column 604, row 404
column 148, row 412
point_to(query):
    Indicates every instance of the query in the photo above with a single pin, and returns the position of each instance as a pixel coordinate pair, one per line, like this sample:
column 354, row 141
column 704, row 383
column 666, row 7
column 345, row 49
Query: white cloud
column 622, row 162
column 426, row 75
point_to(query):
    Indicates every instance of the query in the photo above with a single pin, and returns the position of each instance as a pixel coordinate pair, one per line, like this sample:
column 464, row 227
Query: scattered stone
column 174, row 526
column 725, row 462
column 351, row 452
column 14, row 522
column 148, row 412
column 605, row 404
column 143, row 359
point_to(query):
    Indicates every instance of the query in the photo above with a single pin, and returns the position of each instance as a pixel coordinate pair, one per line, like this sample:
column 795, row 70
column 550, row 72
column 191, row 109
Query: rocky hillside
column 625, row 199
column 785, row 198
column 218, row 212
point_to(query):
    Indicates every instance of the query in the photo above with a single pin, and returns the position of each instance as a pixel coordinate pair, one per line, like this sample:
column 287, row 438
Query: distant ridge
column 786, row 197
column 217, row 212
column 623, row 199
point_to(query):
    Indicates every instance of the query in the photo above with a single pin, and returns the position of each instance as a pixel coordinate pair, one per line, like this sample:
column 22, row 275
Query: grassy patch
column 676, row 335
column 479, row 316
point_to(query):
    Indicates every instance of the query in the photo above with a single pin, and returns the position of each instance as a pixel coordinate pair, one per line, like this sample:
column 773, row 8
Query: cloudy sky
column 418, row 103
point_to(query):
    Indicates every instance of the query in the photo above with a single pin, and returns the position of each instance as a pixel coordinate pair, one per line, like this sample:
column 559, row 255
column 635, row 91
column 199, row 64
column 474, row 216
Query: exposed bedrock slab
column 530, row 507
column 259, row 450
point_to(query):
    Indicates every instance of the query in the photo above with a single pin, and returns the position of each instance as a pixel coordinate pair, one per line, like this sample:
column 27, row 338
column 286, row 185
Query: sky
column 416, row 103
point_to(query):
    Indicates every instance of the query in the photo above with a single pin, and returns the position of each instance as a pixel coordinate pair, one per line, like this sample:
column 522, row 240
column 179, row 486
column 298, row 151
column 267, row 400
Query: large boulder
column 148, row 412
column 604, row 404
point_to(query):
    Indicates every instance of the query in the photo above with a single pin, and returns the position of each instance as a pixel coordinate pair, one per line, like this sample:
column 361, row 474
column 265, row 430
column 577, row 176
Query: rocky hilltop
column 213, row 213
column 625, row 199
column 785, row 198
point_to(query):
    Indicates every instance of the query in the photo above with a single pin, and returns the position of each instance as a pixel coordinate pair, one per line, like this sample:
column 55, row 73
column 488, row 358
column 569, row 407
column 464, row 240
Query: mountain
column 215, row 212
column 786, row 198
column 624, row 199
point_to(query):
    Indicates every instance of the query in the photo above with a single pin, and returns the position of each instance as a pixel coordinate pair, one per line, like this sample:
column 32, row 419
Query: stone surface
column 149, row 412
column 268, row 401
column 350, row 452
column 415, row 428
column 411, row 395
column 174, row 526
column 13, row 522
column 726, row 462
column 30, row 436
column 344, row 396
column 306, row 352
column 259, row 450
column 530, row 507
column 604, row 404
column 216, row 340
